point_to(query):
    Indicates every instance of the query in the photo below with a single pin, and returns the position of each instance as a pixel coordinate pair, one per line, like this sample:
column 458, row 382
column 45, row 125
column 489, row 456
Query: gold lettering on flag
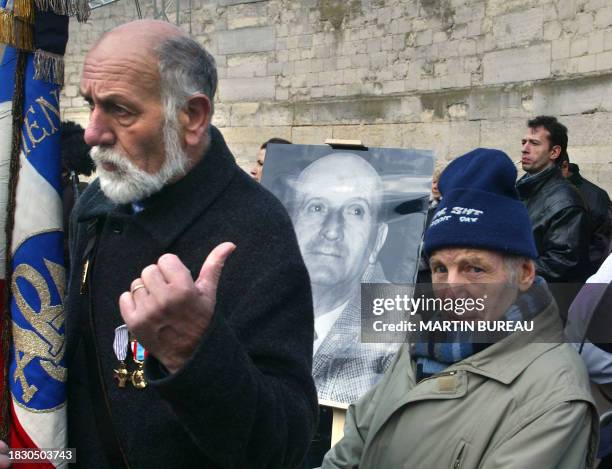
column 32, row 124
column 44, row 342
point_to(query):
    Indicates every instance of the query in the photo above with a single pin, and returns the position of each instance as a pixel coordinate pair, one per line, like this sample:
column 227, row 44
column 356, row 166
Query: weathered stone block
column 246, row 66
column 584, row 23
column 246, row 40
column 566, row 9
column 311, row 135
column 504, row 134
column 604, row 179
column 560, row 49
column 589, row 129
column 282, row 94
column 596, row 42
column 603, row 18
column 446, row 139
column 518, row 28
column 474, row 28
column 584, row 64
column 604, row 61
column 253, row 135
column 395, row 86
column 579, row 46
column 424, row 38
column 246, row 22
column 552, row 30
column 577, row 96
column 71, row 91
column 469, row 12
column 236, row 2
column 441, row 101
column 524, row 64
column 382, row 135
column 592, row 155
column 237, row 89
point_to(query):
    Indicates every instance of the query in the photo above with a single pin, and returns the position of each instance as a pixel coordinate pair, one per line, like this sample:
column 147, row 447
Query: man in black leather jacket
column 600, row 208
column 558, row 213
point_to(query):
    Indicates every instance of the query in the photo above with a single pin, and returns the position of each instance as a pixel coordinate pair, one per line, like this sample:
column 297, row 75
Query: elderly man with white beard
column 189, row 323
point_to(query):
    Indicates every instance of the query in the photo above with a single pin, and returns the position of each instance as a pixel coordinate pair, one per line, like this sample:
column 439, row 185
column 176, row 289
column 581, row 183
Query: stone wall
column 448, row 75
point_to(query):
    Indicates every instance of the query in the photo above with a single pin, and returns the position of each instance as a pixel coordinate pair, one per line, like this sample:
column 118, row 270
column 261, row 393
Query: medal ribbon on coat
column 139, row 354
column 120, row 346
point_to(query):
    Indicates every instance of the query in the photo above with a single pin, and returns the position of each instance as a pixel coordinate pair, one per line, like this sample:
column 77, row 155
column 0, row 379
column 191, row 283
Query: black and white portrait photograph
column 359, row 216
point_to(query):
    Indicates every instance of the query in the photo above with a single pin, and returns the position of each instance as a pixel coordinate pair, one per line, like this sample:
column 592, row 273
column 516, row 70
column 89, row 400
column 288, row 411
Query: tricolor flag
column 31, row 247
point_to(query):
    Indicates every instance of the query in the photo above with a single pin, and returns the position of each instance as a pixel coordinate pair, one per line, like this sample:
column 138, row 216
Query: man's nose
column 98, row 132
column 454, row 278
column 333, row 226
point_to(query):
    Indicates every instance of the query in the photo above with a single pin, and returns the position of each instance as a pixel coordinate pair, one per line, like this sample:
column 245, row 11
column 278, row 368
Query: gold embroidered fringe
column 24, row 9
column 15, row 32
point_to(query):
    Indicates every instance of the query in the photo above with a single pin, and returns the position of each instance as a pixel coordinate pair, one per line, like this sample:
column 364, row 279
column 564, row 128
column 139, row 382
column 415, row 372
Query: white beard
column 128, row 183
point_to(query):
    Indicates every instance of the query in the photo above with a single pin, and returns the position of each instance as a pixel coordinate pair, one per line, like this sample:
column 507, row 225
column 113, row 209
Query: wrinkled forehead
column 137, row 36
column 110, row 67
column 455, row 256
column 130, row 47
column 538, row 132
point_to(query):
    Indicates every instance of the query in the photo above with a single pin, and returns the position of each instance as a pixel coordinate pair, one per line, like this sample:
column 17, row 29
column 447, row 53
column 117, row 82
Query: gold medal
column 120, row 346
column 138, row 378
column 121, row 374
column 138, row 355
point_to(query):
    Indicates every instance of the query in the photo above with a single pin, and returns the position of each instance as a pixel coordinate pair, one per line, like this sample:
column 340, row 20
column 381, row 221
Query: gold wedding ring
column 140, row 285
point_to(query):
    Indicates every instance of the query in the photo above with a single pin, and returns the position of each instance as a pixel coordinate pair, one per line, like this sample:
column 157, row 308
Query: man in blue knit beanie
column 523, row 401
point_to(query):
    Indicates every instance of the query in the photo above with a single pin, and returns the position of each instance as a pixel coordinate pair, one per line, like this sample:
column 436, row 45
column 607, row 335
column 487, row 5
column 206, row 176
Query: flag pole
column 17, row 106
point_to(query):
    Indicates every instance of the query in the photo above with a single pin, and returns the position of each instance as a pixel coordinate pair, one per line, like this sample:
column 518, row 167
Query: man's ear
column 526, row 275
column 194, row 118
column 555, row 152
column 381, row 237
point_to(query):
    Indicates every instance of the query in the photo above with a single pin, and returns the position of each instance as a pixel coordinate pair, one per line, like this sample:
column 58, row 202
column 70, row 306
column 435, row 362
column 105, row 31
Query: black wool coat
column 246, row 398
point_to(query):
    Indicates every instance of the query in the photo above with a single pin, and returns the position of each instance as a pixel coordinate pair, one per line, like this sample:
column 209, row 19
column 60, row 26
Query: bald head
column 342, row 173
column 143, row 36
column 136, row 43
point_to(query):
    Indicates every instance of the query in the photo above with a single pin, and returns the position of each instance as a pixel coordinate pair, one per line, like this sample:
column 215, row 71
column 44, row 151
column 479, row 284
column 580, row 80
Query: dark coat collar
column 576, row 179
column 528, row 185
column 203, row 183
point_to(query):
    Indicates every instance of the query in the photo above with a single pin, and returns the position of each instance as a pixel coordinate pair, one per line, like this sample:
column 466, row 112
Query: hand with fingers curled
column 5, row 462
column 168, row 311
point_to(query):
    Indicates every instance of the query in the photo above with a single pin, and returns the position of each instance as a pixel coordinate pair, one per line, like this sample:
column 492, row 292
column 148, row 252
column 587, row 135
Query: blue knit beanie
column 480, row 207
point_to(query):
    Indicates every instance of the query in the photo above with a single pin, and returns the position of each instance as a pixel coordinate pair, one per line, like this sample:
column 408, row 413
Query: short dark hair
column 74, row 150
column 557, row 131
column 274, row 140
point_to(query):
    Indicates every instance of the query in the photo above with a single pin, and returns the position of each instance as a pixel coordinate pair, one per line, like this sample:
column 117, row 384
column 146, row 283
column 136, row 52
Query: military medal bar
column 139, row 354
column 120, row 346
